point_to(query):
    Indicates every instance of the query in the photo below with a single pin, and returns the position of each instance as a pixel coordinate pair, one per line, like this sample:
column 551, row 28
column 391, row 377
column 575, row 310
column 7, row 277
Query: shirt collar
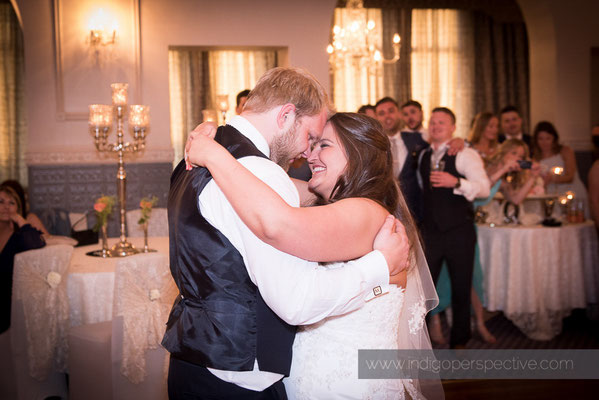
column 248, row 130
column 442, row 146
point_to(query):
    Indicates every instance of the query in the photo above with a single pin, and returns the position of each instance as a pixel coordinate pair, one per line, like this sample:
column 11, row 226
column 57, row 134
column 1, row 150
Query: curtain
column 397, row 78
column 354, row 85
column 13, row 126
column 197, row 76
column 443, row 63
column 501, row 66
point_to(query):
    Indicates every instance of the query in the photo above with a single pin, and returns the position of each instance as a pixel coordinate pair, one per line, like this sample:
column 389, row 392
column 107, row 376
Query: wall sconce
column 99, row 34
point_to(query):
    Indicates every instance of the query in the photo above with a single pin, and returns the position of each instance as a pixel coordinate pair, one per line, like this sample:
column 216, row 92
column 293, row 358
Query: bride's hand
column 205, row 129
column 400, row 279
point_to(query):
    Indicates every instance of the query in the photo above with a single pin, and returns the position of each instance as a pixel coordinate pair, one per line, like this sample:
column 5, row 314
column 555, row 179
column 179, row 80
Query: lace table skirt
column 90, row 286
column 537, row 275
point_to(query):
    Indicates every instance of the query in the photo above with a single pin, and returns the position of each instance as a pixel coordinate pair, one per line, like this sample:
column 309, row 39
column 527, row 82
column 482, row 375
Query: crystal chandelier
column 359, row 41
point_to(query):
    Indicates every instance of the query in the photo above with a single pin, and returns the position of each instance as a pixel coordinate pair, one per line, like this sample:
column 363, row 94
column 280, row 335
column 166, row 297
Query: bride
column 352, row 190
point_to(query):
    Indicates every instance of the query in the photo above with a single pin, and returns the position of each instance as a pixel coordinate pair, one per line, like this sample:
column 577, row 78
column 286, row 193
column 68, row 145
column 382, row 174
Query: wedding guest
column 240, row 100
column 448, row 219
column 30, row 217
column 483, row 135
column 548, row 150
column 411, row 112
column 516, row 182
column 368, row 109
column 16, row 236
column 511, row 125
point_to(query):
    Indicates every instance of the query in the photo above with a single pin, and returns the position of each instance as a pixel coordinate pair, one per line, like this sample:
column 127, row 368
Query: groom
column 231, row 330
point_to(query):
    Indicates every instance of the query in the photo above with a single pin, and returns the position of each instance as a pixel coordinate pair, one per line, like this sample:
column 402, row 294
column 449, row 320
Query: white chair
column 158, row 225
column 143, row 295
column 40, row 321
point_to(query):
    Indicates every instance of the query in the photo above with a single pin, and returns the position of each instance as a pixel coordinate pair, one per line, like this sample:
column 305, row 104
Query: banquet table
column 536, row 275
column 90, row 281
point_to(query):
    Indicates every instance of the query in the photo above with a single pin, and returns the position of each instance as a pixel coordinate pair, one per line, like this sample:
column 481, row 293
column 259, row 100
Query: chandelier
column 358, row 41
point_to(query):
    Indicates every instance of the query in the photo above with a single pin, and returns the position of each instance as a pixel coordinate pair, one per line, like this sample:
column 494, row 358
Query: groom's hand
column 392, row 241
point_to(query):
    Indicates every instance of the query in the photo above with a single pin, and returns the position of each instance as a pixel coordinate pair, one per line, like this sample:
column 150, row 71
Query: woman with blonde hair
column 484, row 133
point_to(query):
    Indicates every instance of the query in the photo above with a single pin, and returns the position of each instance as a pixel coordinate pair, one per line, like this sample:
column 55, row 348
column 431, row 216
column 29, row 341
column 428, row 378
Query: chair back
column 157, row 226
column 40, row 286
column 144, row 294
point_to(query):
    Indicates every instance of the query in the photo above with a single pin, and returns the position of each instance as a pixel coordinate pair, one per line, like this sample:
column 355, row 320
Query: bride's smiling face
column 327, row 162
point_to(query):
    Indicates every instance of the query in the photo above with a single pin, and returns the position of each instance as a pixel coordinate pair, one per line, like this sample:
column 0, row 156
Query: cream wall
column 560, row 37
column 561, row 34
column 302, row 27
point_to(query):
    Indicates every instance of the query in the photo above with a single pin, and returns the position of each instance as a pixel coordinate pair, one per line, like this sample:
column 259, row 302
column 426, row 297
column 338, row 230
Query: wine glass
column 438, row 166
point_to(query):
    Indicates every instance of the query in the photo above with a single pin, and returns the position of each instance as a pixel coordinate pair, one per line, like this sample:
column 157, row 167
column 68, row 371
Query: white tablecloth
column 90, row 285
column 537, row 275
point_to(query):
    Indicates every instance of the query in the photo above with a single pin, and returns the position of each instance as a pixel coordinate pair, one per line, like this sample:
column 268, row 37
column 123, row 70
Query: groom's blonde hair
column 283, row 85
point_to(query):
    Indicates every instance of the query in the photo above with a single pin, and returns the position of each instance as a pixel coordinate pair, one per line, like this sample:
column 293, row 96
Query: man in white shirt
column 405, row 147
column 449, row 185
column 231, row 329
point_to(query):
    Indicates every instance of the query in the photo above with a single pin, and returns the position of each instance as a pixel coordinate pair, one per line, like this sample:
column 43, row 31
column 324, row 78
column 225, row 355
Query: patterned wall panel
column 75, row 187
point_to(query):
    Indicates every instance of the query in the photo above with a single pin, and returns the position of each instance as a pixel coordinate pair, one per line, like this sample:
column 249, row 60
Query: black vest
column 220, row 319
column 408, row 180
column 443, row 210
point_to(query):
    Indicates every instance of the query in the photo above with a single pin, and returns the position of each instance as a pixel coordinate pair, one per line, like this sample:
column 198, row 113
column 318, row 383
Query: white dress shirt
column 469, row 164
column 298, row 291
column 399, row 152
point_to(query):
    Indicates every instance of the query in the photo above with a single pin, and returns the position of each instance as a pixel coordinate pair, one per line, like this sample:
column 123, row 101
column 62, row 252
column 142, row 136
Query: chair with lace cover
column 40, row 321
column 143, row 295
column 157, row 226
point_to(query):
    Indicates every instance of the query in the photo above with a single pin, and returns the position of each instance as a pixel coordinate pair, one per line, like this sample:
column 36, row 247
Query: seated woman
column 547, row 150
column 516, row 182
column 30, row 217
column 484, row 133
column 355, row 190
column 16, row 235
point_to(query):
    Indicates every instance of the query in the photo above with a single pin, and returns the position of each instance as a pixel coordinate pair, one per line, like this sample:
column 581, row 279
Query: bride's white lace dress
column 325, row 354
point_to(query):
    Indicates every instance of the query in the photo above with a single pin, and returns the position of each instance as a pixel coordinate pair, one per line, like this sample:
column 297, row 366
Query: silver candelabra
column 100, row 124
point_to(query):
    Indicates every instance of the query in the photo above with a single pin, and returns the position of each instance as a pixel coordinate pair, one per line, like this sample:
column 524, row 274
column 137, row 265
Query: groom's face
column 293, row 142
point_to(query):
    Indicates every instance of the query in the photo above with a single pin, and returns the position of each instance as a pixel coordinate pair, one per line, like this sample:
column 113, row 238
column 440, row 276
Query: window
column 198, row 75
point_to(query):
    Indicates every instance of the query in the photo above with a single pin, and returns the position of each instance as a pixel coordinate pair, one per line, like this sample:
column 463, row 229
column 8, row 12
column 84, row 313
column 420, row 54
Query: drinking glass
column 437, row 166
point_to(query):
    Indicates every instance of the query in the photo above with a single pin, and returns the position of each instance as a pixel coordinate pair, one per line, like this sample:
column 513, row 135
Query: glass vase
column 104, row 238
column 146, row 248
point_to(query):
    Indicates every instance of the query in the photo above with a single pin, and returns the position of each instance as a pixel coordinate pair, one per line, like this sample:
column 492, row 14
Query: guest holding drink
column 548, row 150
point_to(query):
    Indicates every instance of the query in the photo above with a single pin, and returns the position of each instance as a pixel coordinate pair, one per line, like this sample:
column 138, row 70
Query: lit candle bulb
column 396, row 38
column 557, row 170
column 119, row 94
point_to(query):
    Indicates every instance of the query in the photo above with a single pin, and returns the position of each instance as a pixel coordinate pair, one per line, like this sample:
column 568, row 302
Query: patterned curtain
column 397, row 79
column 501, row 65
column 197, row 76
column 443, row 63
column 13, row 126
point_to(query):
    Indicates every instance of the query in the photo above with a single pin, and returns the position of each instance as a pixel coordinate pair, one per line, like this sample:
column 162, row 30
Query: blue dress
column 444, row 286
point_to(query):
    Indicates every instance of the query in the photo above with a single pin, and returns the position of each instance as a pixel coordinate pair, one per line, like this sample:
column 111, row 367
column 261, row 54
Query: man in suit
column 405, row 146
column 448, row 218
column 231, row 330
column 511, row 126
column 413, row 117
column 240, row 100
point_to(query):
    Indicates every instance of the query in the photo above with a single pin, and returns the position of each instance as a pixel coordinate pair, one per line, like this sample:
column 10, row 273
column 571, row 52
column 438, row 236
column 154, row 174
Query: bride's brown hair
column 369, row 170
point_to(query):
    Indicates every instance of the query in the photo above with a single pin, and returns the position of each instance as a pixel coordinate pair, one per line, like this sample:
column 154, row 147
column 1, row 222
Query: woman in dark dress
column 16, row 235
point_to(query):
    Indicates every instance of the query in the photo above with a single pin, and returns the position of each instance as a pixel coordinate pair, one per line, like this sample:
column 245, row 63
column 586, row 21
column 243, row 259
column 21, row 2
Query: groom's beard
column 282, row 148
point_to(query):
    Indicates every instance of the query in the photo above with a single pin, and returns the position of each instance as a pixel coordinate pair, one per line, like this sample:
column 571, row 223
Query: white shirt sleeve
column 470, row 164
column 299, row 291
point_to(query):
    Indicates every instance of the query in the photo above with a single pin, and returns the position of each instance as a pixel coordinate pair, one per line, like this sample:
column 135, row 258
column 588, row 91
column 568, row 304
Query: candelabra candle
column 139, row 120
column 119, row 94
column 223, row 105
